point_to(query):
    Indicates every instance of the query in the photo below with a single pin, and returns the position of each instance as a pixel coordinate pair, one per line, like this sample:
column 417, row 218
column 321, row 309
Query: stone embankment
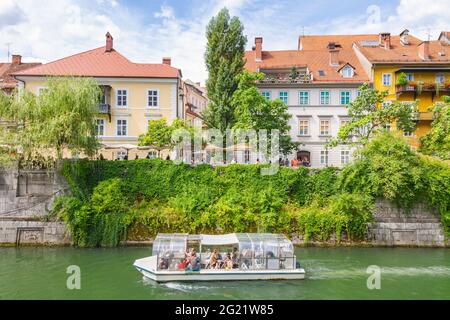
column 27, row 196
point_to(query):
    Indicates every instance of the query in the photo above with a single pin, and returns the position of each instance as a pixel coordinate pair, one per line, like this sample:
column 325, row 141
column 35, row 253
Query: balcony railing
column 424, row 116
column 303, row 78
column 417, row 88
column 104, row 108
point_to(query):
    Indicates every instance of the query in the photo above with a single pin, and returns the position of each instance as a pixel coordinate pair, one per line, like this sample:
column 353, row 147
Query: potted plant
column 419, row 87
column 294, row 73
column 402, row 80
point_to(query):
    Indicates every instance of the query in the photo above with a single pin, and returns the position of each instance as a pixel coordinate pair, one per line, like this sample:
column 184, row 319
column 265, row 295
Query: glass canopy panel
column 170, row 244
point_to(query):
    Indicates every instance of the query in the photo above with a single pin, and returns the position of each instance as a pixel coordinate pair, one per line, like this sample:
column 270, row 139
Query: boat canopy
column 254, row 244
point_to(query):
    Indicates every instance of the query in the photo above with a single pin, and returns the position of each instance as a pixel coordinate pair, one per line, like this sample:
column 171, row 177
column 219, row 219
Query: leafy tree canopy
column 224, row 59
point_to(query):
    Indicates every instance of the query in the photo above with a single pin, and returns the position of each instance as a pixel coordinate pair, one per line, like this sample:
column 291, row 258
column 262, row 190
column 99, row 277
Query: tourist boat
column 255, row 256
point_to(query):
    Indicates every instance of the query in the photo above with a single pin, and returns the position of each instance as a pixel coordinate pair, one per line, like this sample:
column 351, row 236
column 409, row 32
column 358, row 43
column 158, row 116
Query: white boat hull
column 147, row 266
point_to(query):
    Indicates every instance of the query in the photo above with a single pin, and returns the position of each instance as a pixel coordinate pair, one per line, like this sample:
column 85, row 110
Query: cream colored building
column 134, row 93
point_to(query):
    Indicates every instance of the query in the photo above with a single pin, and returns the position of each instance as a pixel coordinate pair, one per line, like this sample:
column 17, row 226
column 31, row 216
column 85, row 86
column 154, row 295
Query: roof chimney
column 109, row 42
column 16, row 59
column 385, row 40
column 424, row 50
column 334, row 57
column 258, row 48
column 167, row 60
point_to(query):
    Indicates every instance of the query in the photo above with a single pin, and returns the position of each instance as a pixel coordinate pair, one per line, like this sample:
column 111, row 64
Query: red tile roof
column 7, row 81
column 399, row 53
column 315, row 56
column 99, row 63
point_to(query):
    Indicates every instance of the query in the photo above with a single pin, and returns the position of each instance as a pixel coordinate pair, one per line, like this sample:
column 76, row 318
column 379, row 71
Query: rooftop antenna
column 8, row 44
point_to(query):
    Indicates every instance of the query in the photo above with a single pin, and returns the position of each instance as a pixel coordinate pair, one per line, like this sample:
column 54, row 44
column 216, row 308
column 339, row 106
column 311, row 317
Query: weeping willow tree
column 60, row 118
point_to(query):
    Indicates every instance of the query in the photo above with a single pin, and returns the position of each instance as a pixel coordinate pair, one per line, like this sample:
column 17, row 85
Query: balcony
column 423, row 116
column 286, row 79
column 418, row 88
column 104, row 108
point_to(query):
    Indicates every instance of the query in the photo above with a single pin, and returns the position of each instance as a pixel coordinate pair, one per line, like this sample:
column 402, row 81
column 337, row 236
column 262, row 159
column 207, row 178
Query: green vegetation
column 60, row 118
column 253, row 111
column 224, row 59
column 402, row 79
column 368, row 117
column 144, row 197
column 437, row 141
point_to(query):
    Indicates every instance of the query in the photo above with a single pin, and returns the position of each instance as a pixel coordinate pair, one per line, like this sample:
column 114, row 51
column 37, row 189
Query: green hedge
column 143, row 197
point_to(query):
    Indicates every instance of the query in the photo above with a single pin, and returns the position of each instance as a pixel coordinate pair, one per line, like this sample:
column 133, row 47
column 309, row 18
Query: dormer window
column 347, row 72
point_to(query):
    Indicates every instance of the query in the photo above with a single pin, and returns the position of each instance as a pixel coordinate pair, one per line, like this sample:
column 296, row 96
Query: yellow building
column 134, row 93
column 424, row 67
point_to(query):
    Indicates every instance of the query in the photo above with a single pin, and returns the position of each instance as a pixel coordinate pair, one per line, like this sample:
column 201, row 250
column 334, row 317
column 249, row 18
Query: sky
column 146, row 30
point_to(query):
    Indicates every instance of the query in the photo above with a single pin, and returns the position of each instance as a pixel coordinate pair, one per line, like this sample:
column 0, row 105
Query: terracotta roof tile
column 99, row 63
column 7, row 81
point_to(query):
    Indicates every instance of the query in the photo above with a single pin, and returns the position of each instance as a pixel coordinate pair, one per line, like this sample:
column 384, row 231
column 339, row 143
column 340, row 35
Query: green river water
column 331, row 273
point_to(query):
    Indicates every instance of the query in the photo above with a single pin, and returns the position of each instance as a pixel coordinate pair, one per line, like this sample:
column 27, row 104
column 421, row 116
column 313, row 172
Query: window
column 407, row 134
column 303, row 97
column 358, row 93
column 122, row 127
column 321, row 73
column 410, row 77
column 100, row 127
column 152, row 98
column 303, row 127
column 284, row 97
column 247, row 156
column 387, row 127
column 386, row 103
column 347, row 72
column 152, row 154
column 440, row 78
column 324, row 97
column 324, row 127
column 41, row 90
column 345, row 156
column 122, row 98
column 121, row 155
column 387, row 79
column 345, row 97
column 324, row 157
column 266, row 94
column 344, row 122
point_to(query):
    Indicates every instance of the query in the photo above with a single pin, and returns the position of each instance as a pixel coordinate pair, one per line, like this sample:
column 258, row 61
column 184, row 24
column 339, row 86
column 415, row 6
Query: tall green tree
column 60, row 118
column 369, row 116
column 224, row 58
column 253, row 111
column 437, row 141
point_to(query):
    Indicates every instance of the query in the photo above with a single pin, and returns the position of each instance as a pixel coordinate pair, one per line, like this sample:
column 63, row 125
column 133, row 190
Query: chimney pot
column 16, row 59
column 258, row 48
column 167, row 60
column 385, row 40
column 424, row 50
column 334, row 57
column 109, row 42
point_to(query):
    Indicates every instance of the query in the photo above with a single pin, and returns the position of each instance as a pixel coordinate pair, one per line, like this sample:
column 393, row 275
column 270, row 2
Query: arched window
column 347, row 72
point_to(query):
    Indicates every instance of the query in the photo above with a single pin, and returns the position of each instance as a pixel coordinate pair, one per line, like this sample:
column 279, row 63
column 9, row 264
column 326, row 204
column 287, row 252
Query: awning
column 217, row 240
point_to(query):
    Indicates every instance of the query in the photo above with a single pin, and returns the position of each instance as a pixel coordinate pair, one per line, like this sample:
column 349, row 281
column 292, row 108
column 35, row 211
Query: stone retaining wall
column 22, row 232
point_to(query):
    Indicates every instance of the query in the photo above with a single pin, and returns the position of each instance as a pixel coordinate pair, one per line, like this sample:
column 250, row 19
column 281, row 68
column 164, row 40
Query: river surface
column 331, row 273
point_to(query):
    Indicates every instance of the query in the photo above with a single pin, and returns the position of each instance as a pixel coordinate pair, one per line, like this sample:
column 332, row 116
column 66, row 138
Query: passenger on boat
column 228, row 263
column 194, row 261
column 235, row 258
column 213, row 262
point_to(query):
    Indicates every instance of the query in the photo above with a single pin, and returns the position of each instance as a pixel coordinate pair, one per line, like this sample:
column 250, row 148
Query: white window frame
column 117, row 98
column 440, row 78
column 267, row 94
column 348, row 72
column 388, row 77
column 408, row 134
column 286, row 97
column 328, row 132
column 343, row 122
column 126, row 128
column 97, row 127
column 410, row 76
column 300, row 133
column 326, row 100
column 121, row 154
column 324, row 157
column 157, row 99
column 345, row 156
column 300, row 97
column 349, row 97
column 39, row 89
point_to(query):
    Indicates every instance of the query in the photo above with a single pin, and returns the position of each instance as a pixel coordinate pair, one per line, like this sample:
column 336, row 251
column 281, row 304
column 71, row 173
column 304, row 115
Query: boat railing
column 173, row 262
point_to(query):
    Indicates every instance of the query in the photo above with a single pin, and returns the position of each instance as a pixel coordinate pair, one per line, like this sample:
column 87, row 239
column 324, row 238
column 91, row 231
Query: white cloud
column 65, row 27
